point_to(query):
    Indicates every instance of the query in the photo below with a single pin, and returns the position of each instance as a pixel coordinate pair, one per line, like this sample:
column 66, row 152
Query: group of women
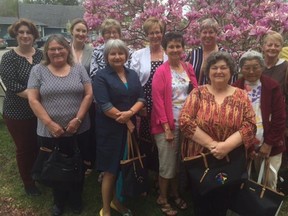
column 50, row 94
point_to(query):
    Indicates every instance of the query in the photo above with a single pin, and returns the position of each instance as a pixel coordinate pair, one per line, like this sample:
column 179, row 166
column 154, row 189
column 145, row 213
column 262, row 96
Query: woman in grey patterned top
column 60, row 95
column 20, row 120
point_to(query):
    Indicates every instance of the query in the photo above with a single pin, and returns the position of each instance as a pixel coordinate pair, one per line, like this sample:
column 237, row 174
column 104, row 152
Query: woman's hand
column 220, row 150
column 143, row 112
column 212, row 145
column 169, row 135
column 264, row 151
column 73, row 126
column 130, row 126
column 55, row 129
column 124, row 117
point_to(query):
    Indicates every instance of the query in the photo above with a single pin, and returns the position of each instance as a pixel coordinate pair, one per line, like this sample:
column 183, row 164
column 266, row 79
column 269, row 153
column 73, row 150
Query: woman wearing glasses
column 145, row 62
column 110, row 29
column 60, row 94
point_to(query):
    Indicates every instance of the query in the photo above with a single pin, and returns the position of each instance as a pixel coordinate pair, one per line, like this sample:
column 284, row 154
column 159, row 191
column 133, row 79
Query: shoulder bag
column 255, row 198
column 53, row 167
column 207, row 173
column 134, row 174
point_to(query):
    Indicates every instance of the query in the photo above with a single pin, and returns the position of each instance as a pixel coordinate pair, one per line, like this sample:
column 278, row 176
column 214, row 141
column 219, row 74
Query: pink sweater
column 162, row 96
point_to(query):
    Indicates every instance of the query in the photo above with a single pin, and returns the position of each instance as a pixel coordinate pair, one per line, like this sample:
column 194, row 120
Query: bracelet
column 79, row 120
column 132, row 111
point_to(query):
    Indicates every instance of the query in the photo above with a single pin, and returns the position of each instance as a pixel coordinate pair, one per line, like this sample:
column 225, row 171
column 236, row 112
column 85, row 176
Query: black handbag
column 134, row 174
column 55, row 168
column 207, row 173
column 256, row 199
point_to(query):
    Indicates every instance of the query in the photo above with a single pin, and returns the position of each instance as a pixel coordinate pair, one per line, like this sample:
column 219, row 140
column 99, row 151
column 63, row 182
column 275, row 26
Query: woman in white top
column 145, row 62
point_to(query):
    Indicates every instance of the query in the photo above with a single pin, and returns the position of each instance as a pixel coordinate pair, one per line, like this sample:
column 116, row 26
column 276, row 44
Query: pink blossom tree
column 243, row 22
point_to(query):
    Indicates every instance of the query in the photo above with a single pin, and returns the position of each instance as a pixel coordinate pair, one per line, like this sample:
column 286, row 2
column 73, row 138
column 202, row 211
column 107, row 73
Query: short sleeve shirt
column 61, row 97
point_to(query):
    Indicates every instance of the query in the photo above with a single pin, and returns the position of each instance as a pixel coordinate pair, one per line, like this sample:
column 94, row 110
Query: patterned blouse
column 15, row 71
column 61, row 97
column 218, row 120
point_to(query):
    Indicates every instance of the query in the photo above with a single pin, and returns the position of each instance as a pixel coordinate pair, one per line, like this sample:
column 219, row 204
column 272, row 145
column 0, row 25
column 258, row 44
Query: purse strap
column 264, row 171
column 131, row 144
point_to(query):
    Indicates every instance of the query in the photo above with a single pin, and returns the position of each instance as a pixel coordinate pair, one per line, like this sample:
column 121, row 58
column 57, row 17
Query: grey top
column 86, row 58
column 14, row 72
column 61, row 97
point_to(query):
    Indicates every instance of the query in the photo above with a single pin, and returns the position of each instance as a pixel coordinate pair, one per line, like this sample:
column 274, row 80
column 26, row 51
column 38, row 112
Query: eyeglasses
column 24, row 32
column 59, row 49
column 251, row 67
column 154, row 33
column 111, row 33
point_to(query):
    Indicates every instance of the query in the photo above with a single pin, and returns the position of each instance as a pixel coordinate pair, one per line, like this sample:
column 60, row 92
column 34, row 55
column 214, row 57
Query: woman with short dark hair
column 217, row 118
column 171, row 85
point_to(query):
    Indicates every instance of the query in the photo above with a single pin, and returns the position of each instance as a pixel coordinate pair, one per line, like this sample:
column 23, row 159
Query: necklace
column 28, row 55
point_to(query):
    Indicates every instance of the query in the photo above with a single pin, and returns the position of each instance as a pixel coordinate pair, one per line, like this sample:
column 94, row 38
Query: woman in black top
column 15, row 69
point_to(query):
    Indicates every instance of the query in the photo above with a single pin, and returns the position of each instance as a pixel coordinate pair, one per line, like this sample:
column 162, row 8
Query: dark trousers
column 23, row 133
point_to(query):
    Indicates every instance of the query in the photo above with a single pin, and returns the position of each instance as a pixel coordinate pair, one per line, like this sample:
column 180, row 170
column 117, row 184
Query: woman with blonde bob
column 145, row 62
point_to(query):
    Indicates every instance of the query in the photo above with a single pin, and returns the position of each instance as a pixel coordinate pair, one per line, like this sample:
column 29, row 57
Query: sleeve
column 158, row 93
column 141, row 97
column 94, row 64
column 277, row 124
column 101, row 92
column 83, row 73
column 128, row 63
column 248, row 128
column 9, row 74
column 135, row 63
column 34, row 81
column 192, row 75
column 188, row 115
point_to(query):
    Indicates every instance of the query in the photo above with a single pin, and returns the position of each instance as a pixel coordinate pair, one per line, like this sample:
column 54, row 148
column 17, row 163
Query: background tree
column 243, row 22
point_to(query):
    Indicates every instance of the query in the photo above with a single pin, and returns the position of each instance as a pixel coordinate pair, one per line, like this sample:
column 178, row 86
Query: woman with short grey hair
column 268, row 104
column 119, row 96
column 115, row 44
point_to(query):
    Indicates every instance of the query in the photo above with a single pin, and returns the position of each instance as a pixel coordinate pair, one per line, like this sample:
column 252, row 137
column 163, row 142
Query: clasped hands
column 57, row 131
column 124, row 118
column 218, row 149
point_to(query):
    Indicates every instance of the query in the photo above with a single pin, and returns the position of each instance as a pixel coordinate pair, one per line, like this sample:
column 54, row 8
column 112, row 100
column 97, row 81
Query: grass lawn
column 14, row 202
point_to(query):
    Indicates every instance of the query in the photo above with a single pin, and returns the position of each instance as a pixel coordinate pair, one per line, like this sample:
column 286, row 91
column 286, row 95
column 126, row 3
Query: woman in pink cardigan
column 171, row 84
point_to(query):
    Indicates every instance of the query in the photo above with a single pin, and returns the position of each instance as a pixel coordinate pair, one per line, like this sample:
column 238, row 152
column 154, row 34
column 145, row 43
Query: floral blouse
column 218, row 120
